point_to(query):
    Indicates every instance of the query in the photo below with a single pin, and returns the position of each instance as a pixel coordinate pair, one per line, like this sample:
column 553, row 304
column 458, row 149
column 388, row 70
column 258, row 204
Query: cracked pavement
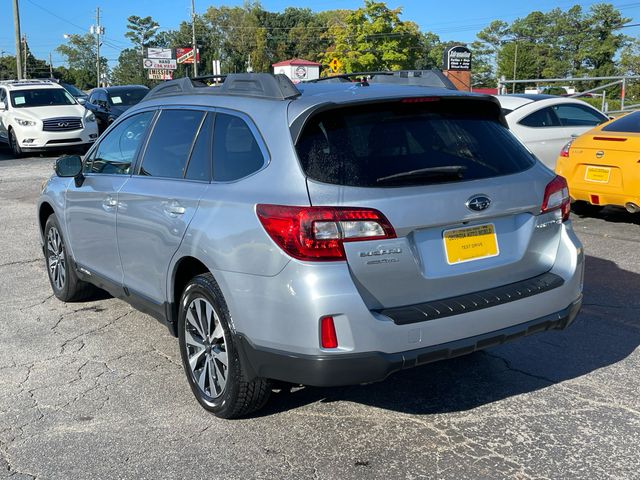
column 96, row 390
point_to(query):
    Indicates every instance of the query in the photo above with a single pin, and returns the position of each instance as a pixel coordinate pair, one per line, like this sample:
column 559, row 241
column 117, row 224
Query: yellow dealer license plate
column 598, row 174
column 471, row 243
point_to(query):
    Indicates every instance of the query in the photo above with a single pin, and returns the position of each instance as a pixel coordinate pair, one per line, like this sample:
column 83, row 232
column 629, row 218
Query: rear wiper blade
column 448, row 171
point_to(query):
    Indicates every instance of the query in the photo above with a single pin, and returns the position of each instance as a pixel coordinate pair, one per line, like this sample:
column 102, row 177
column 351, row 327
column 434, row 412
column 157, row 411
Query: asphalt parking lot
column 96, row 390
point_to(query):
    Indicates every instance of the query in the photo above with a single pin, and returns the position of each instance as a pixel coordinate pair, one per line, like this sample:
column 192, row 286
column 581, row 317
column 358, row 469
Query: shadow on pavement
column 614, row 215
column 606, row 331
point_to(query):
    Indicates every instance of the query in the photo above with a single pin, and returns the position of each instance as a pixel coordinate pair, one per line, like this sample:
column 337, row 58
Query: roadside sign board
column 335, row 65
column 185, row 55
column 457, row 58
column 160, row 74
column 160, row 63
column 159, row 53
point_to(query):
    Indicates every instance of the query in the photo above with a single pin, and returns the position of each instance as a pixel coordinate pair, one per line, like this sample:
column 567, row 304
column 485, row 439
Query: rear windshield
column 400, row 144
column 629, row 123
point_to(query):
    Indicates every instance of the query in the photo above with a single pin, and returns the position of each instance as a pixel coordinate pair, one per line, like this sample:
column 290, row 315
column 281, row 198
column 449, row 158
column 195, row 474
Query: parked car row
column 40, row 115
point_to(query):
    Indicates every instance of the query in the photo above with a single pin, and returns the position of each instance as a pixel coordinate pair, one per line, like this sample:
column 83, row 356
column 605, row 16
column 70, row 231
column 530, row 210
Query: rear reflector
column 595, row 199
column 611, row 139
column 328, row 337
column 556, row 196
column 318, row 233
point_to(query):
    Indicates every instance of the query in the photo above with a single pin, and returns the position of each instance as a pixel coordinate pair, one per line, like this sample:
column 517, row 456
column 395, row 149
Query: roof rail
column 423, row 78
column 34, row 81
column 258, row 85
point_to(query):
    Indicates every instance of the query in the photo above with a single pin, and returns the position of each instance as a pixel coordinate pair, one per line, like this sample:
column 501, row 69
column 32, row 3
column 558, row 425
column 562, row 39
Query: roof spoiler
column 422, row 78
column 258, row 85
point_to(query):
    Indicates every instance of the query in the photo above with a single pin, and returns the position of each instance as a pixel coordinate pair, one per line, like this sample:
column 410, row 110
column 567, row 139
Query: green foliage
column 80, row 52
column 553, row 44
column 374, row 38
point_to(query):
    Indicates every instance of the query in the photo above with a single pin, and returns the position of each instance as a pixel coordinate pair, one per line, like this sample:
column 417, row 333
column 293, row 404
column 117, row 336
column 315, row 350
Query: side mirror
column 68, row 166
column 3, row 106
column 81, row 101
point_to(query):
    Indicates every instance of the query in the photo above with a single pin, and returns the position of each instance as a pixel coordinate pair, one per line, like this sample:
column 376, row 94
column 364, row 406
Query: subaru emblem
column 477, row 203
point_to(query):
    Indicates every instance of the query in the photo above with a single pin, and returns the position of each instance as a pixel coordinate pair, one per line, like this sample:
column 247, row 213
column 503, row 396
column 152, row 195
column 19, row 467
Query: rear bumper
column 357, row 368
column 604, row 196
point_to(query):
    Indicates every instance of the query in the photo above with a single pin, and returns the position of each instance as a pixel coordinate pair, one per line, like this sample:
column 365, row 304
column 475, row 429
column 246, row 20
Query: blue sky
column 46, row 21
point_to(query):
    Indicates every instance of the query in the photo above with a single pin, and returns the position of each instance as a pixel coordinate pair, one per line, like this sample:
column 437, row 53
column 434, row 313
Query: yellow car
column 602, row 166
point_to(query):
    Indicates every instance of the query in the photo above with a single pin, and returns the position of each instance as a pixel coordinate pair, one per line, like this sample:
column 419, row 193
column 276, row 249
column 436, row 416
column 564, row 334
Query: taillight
column 565, row 150
column 318, row 233
column 556, row 196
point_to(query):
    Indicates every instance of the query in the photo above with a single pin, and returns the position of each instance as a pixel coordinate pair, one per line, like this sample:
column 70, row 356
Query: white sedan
column 545, row 123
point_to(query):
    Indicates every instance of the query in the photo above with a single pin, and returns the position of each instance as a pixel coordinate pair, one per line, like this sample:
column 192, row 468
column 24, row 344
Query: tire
column 206, row 342
column 582, row 208
column 15, row 146
column 62, row 275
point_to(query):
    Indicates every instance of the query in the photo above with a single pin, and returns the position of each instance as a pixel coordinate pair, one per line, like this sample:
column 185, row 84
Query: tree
column 80, row 51
column 141, row 32
column 373, row 38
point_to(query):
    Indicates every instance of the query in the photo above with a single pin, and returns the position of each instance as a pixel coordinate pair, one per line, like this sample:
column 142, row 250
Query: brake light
column 318, row 233
column 565, row 150
column 556, row 196
column 420, row 99
column 611, row 139
column 328, row 337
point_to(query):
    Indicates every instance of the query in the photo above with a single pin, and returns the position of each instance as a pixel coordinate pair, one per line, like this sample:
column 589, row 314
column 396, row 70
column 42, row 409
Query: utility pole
column 24, row 64
column 515, row 63
column 193, row 38
column 50, row 66
column 98, row 45
column 16, row 28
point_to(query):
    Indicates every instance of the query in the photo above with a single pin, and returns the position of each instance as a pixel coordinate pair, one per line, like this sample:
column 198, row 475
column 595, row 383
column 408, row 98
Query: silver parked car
column 326, row 234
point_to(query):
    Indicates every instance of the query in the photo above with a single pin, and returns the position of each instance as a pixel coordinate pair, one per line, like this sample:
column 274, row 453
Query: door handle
column 109, row 203
column 173, row 208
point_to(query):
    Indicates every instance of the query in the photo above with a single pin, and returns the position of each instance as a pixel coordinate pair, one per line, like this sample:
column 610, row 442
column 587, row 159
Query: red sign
column 185, row 55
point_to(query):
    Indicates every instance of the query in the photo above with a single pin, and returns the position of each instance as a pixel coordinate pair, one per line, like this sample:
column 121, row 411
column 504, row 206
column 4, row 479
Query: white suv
column 37, row 115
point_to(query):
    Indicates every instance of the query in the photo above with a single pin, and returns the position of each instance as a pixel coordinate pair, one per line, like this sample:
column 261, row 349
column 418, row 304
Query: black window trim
column 262, row 145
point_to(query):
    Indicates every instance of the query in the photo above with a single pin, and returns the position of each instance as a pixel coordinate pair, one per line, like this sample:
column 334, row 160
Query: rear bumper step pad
column 471, row 302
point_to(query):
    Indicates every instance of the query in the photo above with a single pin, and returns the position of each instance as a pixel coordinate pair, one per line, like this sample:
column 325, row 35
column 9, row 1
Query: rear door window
column 170, row 143
column 236, row 152
column 545, row 117
column 573, row 115
column 397, row 144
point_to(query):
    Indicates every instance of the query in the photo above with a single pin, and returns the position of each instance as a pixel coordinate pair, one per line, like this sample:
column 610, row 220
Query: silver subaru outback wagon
column 324, row 234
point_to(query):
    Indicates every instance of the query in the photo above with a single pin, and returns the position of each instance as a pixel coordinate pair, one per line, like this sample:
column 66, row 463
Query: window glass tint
column 236, row 153
column 117, row 150
column 200, row 161
column 544, row 117
column 578, row 115
column 127, row 97
column 629, row 123
column 409, row 144
column 170, row 143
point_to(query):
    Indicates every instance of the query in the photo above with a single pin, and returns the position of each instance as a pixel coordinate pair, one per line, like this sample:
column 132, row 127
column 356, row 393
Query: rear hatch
column 463, row 195
column 608, row 158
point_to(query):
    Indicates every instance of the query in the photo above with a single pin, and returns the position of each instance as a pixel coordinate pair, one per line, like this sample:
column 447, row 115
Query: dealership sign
column 185, row 55
column 160, row 74
column 160, row 63
column 457, row 58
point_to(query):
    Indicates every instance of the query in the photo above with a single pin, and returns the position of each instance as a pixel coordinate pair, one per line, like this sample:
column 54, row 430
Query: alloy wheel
column 56, row 260
column 206, row 347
